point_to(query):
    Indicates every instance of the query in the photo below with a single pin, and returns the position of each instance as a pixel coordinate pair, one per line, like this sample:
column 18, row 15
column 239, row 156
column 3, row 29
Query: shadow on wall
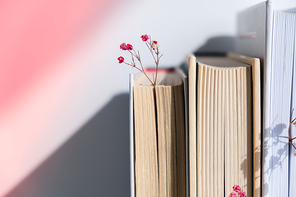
column 218, row 44
column 94, row 162
column 213, row 46
column 275, row 138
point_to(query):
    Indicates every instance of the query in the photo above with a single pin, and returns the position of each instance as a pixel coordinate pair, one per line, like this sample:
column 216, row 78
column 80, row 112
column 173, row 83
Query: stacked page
column 273, row 40
column 276, row 141
column 159, row 136
column 224, row 98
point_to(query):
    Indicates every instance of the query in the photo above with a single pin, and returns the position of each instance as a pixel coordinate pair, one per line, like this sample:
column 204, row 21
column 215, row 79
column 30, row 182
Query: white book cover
column 269, row 34
column 292, row 188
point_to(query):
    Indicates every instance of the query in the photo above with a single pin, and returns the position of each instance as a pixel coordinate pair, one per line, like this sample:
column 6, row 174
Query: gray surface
column 92, row 163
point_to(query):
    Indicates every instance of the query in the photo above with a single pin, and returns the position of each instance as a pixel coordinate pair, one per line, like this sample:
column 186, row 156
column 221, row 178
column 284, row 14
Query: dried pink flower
column 120, row 59
column 136, row 56
column 129, row 47
column 232, row 194
column 241, row 194
column 145, row 37
column 123, row 46
column 154, row 45
column 236, row 188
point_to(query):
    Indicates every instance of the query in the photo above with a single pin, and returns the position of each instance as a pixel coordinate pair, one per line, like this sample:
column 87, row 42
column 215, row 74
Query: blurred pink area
column 34, row 33
column 34, row 36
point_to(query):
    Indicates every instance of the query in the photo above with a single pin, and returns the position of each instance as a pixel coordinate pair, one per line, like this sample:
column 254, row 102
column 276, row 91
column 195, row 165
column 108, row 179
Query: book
column 158, row 134
column 269, row 34
column 224, row 116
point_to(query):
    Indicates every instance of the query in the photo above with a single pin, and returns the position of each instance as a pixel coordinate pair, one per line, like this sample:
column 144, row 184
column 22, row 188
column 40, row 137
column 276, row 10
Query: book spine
column 192, row 126
column 186, row 134
column 266, row 90
column 257, row 149
column 131, row 136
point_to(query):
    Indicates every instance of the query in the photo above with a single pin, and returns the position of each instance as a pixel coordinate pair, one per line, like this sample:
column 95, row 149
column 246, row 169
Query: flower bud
column 145, row 37
column 241, row 194
column 123, row 46
column 120, row 59
column 129, row 47
column 154, row 45
column 236, row 188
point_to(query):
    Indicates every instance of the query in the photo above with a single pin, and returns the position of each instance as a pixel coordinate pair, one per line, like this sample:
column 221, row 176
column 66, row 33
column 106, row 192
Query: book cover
column 269, row 34
column 209, row 114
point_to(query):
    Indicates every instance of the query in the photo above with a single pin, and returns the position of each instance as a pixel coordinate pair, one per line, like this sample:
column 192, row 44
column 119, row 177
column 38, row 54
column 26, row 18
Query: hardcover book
column 269, row 34
column 158, row 135
column 224, row 124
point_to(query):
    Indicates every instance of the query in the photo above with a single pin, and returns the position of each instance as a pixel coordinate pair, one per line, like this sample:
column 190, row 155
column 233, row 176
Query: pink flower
column 241, row 194
column 236, row 188
column 145, row 37
column 120, row 59
column 232, row 194
column 129, row 47
column 154, row 45
column 123, row 46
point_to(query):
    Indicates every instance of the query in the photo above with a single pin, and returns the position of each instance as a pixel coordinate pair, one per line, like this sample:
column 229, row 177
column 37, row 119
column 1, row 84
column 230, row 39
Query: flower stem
column 289, row 130
column 139, row 60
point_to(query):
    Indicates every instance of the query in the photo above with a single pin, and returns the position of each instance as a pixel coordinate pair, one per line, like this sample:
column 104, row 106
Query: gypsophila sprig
column 153, row 47
column 237, row 190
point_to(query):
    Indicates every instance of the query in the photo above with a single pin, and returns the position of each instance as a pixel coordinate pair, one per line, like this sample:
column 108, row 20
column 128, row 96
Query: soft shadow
column 218, row 44
column 276, row 160
column 94, row 162
column 215, row 46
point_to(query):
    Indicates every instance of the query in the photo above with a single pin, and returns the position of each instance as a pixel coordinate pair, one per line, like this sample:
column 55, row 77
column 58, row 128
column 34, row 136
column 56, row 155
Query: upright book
column 158, row 135
column 224, row 123
column 269, row 34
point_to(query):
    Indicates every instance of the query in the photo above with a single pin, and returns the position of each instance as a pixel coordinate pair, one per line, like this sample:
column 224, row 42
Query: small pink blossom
column 135, row 56
column 145, row 37
column 232, row 194
column 129, row 47
column 120, row 59
column 154, row 45
column 123, row 46
column 241, row 194
column 236, row 188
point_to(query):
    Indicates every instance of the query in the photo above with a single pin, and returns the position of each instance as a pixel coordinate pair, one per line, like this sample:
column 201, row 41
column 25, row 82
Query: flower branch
column 153, row 48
